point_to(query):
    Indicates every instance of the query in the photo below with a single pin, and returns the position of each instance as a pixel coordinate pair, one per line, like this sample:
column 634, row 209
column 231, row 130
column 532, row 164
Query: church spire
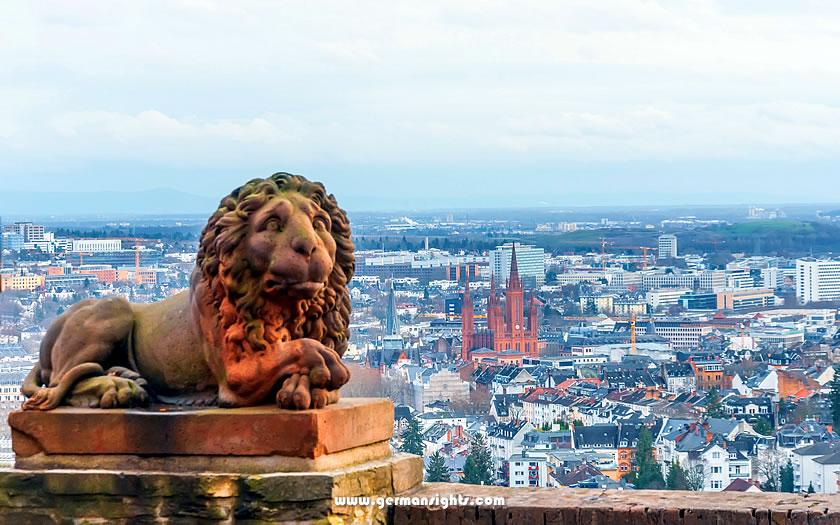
column 467, row 299
column 392, row 322
column 514, row 282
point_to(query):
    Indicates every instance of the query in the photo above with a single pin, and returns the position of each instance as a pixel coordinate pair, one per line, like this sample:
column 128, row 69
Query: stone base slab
column 166, row 431
column 105, row 496
column 239, row 464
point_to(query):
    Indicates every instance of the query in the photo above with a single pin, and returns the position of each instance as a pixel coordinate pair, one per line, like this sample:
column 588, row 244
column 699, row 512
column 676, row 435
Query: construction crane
column 633, row 332
column 82, row 257
column 644, row 251
column 136, row 240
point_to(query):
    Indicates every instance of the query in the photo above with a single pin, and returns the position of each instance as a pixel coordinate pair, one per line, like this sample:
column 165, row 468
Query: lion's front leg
column 313, row 378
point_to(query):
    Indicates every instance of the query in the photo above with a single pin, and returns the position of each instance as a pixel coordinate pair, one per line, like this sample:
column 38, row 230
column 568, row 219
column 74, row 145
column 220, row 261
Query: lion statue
column 266, row 318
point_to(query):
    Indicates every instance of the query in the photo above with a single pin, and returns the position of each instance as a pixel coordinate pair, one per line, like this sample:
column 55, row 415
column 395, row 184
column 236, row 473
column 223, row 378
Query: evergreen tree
column 762, row 426
column 412, row 438
column 676, row 478
column 786, row 477
column 437, row 470
column 648, row 473
column 835, row 397
column 713, row 406
column 811, row 488
column 478, row 467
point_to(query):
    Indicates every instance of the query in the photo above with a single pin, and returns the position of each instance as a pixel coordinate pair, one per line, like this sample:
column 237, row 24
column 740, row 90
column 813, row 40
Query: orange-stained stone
column 252, row 431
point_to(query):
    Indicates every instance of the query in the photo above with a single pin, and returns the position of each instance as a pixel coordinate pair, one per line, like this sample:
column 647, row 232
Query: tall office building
column 31, row 232
column 529, row 260
column 817, row 280
column 667, row 246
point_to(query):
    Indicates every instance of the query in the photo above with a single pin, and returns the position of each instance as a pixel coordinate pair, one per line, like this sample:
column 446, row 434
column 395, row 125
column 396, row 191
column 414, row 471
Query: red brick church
column 505, row 331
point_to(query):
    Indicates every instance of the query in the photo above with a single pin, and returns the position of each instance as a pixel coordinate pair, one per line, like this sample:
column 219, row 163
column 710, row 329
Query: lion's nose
column 304, row 245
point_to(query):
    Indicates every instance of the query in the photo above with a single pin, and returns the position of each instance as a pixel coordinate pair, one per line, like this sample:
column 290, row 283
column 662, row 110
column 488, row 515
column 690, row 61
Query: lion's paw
column 109, row 391
column 298, row 393
column 316, row 376
column 43, row 399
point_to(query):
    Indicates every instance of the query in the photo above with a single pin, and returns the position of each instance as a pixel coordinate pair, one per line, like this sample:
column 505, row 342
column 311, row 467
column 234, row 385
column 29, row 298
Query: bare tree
column 767, row 467
column 364, row 382
column 695, row 475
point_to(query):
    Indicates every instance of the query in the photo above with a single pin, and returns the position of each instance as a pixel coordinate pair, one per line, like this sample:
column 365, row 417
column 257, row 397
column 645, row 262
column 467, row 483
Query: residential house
column 505, row 440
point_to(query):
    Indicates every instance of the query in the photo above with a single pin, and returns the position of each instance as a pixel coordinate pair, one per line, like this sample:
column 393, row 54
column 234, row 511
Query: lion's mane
column 250, row 323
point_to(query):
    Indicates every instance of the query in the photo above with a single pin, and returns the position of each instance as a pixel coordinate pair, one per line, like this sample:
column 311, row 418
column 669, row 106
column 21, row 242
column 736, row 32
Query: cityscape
column 470, row 262
column 627, row 349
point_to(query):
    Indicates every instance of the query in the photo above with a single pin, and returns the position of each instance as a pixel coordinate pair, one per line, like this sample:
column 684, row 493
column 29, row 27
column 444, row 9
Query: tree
column 478, row 467
column 786, row 477
column 713, row 407
column 835, row 397
column 648, row 473
column 762, row 426
column 437, row 470
column 676, row 478
column 412, row 438
column 810, row 488
column 769, row 464
column 695, row 476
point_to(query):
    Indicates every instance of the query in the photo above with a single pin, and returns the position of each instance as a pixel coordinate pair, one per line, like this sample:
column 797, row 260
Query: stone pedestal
column 260, row 463
column 246, row 440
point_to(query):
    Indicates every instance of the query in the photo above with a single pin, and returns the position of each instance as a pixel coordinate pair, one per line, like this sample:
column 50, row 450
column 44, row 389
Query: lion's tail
column 32, row 383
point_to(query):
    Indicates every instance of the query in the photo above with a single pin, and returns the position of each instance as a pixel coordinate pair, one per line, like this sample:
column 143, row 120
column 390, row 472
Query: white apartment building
column 96, row 245
column 703, row 280
column 740, row 278
column 529, row 469
column 817, row 280
column 667, row 246
column 664, row 297
column 530, row 262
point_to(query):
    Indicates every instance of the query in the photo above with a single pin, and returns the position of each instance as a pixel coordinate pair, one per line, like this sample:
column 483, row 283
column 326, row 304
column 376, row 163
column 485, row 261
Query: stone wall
column 612, row 507
column 114, row 497
column 100, row 496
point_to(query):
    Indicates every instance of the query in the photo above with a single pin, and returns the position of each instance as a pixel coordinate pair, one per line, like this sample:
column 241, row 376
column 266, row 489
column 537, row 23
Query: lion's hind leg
column 47, row 398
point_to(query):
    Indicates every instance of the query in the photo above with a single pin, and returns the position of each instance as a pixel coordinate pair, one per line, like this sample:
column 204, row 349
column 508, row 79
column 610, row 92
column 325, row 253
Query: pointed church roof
column 392, row 322
column 467, row 300
column 514, row 267
column 514, row 283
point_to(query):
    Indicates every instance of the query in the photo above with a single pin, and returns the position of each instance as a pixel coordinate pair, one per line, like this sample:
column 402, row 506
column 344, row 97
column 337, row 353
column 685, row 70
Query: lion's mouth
column 308, row 288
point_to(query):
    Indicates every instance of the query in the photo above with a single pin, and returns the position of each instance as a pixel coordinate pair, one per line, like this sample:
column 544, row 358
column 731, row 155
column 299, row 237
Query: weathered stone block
column 173, row 431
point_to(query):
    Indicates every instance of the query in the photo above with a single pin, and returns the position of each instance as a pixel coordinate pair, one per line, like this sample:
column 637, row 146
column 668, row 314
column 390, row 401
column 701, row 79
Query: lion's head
column 276, row 259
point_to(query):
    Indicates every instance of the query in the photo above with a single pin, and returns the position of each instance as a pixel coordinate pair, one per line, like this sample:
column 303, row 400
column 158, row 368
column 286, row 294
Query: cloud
column 407, row 85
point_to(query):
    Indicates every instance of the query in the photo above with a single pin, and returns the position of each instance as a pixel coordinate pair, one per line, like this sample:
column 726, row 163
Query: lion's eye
column 321, row 223
column 273, row 225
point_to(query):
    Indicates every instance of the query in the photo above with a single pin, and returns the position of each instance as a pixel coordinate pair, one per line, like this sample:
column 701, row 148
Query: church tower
column 467, row 323
column 514, row 300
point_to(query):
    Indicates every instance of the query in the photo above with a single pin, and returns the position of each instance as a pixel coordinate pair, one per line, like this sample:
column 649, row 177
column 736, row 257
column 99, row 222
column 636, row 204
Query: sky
column 425, row 104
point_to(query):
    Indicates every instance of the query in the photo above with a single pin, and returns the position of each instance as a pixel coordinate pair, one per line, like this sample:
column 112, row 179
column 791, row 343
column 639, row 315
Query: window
column 716, row 484
column 715, row 470
column 715, row 455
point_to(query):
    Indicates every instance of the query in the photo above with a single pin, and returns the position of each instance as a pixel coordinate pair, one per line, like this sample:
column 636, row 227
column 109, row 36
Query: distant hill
column 44, row 204
column 786, row 237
